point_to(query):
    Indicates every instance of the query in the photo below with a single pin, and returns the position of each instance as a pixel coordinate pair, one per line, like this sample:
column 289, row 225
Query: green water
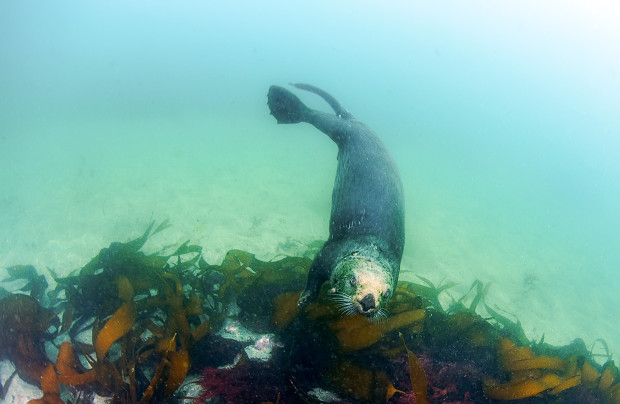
column 502, row 118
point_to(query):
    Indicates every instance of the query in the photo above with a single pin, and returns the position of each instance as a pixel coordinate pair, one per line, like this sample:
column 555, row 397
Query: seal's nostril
column 368, row 302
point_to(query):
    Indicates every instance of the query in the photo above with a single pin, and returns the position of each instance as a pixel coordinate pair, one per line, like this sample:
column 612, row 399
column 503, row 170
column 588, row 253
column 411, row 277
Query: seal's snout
column 368, row 303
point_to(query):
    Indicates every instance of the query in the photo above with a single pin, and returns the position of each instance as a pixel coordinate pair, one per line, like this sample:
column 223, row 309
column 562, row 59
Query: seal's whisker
column 375, row 318
column 380, row 315
column 344, row 303
column 346, row 309
column 341, row 298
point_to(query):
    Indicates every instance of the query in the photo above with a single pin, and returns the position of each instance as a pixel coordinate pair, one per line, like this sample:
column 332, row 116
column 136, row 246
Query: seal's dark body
column 367, row 214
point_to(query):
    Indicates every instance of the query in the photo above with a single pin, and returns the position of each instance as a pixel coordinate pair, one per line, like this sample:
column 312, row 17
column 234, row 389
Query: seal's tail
column 285, row 106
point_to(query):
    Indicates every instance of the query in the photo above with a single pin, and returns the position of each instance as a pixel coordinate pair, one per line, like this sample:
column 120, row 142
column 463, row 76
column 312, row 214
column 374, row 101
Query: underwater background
column 502, row 117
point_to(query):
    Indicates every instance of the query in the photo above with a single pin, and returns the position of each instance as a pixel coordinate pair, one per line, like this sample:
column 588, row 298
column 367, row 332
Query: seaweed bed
column 131, row 327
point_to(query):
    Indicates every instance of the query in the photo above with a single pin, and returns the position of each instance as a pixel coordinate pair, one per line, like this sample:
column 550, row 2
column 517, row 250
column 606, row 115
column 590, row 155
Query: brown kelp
column 140, row 316
column 131, row 327
column 531, row 375
column 36, row 284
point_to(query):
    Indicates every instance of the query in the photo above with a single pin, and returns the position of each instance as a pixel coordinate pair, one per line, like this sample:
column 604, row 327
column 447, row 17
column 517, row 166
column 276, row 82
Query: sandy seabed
column 66, row 191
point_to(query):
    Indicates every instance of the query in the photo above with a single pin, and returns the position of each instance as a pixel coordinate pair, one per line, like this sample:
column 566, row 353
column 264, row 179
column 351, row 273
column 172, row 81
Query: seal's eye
column 386, row 294
column 352, row 281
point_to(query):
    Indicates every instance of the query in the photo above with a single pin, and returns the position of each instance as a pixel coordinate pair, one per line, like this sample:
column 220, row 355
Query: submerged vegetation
column 134, row 328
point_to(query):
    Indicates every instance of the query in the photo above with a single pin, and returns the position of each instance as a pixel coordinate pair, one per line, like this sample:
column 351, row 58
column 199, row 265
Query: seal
column 362, row 256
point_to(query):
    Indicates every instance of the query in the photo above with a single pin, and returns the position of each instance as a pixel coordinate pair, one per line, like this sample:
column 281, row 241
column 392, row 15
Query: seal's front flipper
column 306, row 297
column 316, row 278
column 285, row 106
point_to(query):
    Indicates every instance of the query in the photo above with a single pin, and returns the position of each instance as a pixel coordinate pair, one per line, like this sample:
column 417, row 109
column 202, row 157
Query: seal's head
column 362, row 285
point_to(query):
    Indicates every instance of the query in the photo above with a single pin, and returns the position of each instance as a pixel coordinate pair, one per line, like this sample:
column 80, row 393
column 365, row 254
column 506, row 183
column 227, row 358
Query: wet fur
column 367, row 218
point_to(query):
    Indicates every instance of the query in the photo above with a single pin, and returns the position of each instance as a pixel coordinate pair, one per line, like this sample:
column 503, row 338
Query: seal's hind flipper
column 285, row 106
column 338, row 109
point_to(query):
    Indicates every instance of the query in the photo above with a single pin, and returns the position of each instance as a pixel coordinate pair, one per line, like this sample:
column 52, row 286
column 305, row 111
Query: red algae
column 169, row 316
column 246, row 382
